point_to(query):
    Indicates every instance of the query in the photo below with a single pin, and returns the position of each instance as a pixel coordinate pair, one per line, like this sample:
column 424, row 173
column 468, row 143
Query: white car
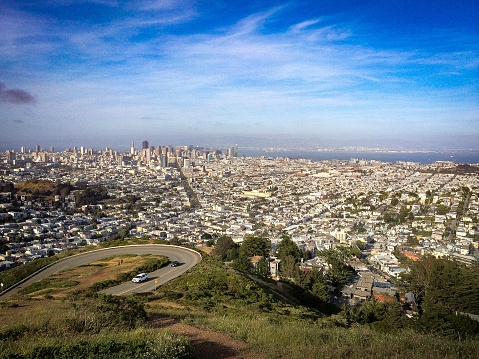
column 140, row 278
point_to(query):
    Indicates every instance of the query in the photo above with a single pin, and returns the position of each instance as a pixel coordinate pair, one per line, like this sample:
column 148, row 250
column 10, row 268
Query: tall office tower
column 163, row 161
column 132, row 149
column 144, row 145
column 37, row 148
column 23, row 149
column 9, row 155
column 75, row 148
column 236, row 151
column 52, row 149
column 82, row 150
column 147, row 155
column 120, row 160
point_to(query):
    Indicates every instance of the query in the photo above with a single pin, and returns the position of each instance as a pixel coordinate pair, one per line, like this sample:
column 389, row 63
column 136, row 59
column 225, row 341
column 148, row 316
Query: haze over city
column 311, row 73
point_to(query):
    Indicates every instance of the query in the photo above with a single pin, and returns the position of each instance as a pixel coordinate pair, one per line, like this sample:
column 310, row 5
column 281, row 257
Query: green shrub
column 163, row 345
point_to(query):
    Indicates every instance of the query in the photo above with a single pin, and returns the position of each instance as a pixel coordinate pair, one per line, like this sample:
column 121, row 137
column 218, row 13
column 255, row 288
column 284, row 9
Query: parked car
column 175, row 264
column 140, row 278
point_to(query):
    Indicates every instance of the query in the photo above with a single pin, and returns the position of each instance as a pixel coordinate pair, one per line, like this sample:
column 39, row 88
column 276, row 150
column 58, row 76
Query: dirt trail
column 209, row 344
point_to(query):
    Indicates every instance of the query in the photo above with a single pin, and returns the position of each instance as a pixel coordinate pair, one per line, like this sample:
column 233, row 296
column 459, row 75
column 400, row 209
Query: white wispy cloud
column 303, row 25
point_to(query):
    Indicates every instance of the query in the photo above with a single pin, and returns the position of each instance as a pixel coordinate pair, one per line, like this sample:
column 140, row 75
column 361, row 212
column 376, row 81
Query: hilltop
column 213, row 309
column 42, row 188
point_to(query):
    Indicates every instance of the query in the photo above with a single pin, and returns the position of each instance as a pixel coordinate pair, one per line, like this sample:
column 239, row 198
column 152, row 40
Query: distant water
column 470, row 157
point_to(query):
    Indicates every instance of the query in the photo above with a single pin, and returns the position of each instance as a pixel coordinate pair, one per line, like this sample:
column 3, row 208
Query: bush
column 163, row 345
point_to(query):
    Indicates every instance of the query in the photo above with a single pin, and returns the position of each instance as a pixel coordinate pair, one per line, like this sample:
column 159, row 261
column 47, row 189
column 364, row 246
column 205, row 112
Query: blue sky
column 395, row 74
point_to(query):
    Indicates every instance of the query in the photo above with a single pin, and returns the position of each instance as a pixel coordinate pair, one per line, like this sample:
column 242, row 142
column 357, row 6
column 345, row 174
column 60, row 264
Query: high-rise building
column 37, row 148
column 132, row 149
column 147, row 155
column 164, row 161
column 51, row 149
column 145, row 145
column 23, row 149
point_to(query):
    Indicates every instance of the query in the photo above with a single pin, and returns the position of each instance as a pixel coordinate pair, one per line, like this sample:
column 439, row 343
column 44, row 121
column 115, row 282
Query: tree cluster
column 443, row 290
column 91, row 196
column 339, row 271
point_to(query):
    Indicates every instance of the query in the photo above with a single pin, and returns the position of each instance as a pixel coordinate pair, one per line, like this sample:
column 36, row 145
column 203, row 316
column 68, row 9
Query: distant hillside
column 40, row 189
column 45, row 189
column 461, row 169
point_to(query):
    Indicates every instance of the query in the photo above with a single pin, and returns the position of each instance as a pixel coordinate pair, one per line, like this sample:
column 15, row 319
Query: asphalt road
column 187, row 258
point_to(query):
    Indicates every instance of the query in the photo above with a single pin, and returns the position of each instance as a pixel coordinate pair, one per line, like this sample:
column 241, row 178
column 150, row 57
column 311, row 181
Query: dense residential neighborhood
column 391, row 213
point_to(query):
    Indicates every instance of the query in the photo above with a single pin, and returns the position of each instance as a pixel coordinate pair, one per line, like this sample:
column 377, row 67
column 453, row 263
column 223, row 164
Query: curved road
column 187, row 258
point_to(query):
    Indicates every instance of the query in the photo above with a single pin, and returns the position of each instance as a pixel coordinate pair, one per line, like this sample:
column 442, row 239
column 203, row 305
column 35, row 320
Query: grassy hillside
column 40, row 188
column 216, row 297
column 73, row 320
column 64, row 316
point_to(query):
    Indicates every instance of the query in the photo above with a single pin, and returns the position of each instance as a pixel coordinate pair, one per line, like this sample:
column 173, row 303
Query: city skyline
column 99, row 73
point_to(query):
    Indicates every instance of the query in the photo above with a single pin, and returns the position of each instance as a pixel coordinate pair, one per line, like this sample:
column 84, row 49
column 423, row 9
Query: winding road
column 188, row 258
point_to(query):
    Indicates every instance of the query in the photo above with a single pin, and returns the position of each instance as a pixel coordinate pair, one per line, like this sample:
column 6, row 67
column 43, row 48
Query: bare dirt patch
column 209, row 344
column 206, row 249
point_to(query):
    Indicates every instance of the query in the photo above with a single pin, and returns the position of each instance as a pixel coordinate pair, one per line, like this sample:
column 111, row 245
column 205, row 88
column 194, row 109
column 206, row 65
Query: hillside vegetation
column 40, row 188
column 214, row 296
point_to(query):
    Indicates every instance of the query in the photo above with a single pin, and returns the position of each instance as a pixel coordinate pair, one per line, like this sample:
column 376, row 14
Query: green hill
column 216, row 299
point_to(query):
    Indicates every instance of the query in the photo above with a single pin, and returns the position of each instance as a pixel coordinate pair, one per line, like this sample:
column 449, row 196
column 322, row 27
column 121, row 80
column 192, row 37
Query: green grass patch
column 140, row 343
column 49, row 283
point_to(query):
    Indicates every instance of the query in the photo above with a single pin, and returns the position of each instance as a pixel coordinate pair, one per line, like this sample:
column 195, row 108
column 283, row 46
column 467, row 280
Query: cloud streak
column 15, row 96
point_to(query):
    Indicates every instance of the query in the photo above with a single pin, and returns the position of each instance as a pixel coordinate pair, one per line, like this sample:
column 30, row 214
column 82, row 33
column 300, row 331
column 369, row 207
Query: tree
column 232, row 254
column 443, row 286
column 242, row 264
column 288, row 248
column 289, row 267
column 319, row 288
column 255, row 246
column 206, row 235
column 262, row 268
column 361, row 245
column 223, row 245
column 339, row 270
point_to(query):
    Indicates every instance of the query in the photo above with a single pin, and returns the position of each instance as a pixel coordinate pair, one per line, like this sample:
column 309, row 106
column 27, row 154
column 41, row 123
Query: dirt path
column 209, row 344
